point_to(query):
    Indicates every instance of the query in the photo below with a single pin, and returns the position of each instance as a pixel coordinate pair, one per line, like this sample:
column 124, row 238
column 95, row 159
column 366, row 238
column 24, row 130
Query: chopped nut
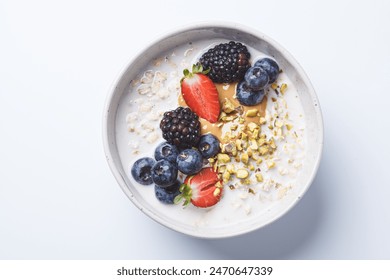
column 234, row 127
column 226, row 176
column 263, row 150
column 253, row 145
column 262, row 120
column 270, row 164
column 242, row 173
column 274, row 86
column 230, row 148
column 259, row 177
column 259, row 161
column 230, row 168
column 217, row 191
column 252, row 113
column 272, row 143
column 228, row 118
column 251, row 167
column 227, row 106
column 238, row 145
column 289, row 126
column 262, row 141
column 249, row 152
column 223, row 158
column 221, row 169
column 219, row 185
column 246, row 181
column 278, row 123
column 250, row 190
column 245, row 158
column 251, row 126
column 283, row 88
column 243, row 136
column 255, row 133
column 222, row 115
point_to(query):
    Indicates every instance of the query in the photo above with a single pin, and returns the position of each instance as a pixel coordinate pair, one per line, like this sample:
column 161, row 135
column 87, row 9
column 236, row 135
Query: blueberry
column 166, row 151
column 270, row 66
column 189, row 161
column 141, row 170
column 256, row 78
column 208, row 145
column 168, row 194
column 248, row 97
column 164, row 173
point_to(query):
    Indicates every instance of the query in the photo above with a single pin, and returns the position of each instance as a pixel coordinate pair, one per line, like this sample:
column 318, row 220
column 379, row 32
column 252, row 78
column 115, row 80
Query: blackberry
column 181, row 127
column 227, row 62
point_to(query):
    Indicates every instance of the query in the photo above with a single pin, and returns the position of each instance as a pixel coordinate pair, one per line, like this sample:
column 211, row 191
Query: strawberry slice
column 203, row 189
column 200, row 93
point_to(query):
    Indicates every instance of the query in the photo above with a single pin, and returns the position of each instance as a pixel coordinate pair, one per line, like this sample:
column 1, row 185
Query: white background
column 58, row 198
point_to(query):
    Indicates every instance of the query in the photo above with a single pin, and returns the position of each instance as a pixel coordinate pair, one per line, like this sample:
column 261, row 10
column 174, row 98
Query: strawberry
column 203, row 189
column 200, row 93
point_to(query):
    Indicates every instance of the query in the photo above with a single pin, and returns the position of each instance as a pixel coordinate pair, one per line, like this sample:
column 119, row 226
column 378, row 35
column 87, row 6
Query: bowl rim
column 112, row 155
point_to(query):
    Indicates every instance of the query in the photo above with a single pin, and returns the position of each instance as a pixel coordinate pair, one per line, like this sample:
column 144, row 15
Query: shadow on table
column 280, row 239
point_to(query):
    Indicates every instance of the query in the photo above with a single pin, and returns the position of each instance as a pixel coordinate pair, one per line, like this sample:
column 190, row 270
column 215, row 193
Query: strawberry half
column 203, row 189
column 200, row 93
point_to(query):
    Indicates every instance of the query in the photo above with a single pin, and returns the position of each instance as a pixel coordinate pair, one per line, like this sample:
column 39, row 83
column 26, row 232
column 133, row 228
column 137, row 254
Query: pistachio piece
column 245, row 158
column 252, row 113
column 238, row 145
column 227, row 106
column 251, row 126
column 230, row 168
column 223, row 158
column 263, row 150
column 289, row 126
column 270, row 164
column 283, row 88
column 259, row 177
column 226, row 176
column 242, row 173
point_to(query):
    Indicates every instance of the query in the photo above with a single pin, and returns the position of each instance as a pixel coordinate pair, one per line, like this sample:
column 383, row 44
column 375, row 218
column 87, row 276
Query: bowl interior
column 258, row 41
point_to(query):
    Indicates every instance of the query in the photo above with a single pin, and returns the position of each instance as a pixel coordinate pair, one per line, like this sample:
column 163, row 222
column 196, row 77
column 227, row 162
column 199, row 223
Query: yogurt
column 280, row 116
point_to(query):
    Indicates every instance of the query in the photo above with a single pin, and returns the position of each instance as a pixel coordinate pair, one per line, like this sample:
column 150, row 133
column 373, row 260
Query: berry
column 168, row 194
column 200, row 93
column 270, row 66
column 181, row 127
column 256, row 78
column 202, row 190
column 189, row 161
column 164, row 173
column 208, row 145
column 166, row 151
column 227, row 62
column 248, row 97
column 141, row 170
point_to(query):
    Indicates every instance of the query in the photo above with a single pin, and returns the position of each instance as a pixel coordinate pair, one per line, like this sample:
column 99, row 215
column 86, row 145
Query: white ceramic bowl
column 114, row 131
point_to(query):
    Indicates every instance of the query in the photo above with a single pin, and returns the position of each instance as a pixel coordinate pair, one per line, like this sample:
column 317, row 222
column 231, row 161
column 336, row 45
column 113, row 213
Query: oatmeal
column 258, row 144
